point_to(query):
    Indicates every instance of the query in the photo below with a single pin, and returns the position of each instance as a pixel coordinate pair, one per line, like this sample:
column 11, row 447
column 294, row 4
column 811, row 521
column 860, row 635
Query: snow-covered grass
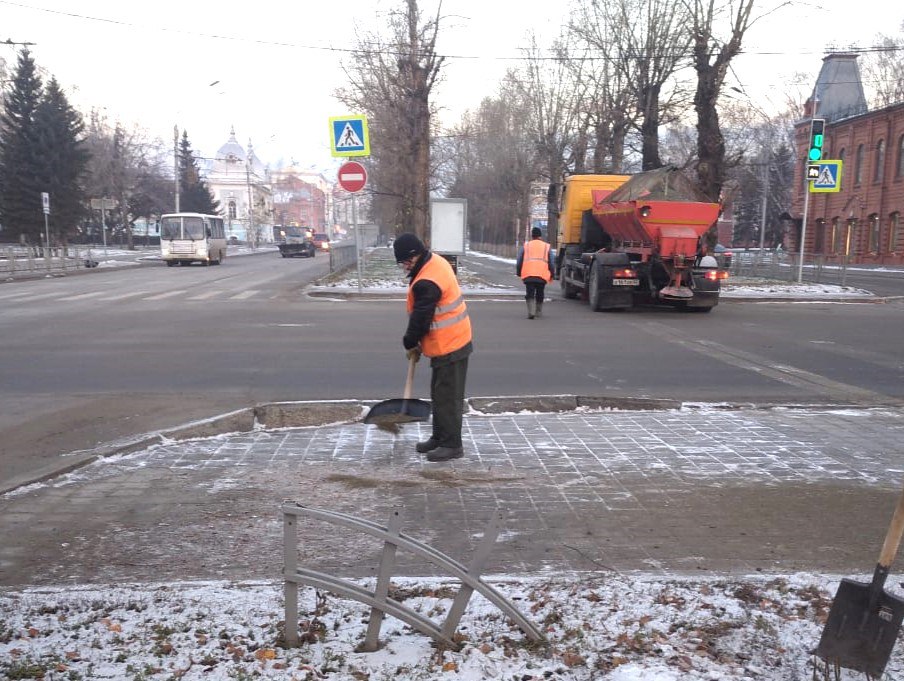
column 597, row 625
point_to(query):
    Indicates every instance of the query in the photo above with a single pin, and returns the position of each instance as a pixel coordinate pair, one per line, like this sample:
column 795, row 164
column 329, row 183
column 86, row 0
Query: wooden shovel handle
column 410, row 380
column 893, row 537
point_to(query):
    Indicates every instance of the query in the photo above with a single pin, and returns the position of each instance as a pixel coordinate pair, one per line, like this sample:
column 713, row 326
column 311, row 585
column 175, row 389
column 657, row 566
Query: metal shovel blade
column 395, row 411
column 862, row 627
column 389, row 414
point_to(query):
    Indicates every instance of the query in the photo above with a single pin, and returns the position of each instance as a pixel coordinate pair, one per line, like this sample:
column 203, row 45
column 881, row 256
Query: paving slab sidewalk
column 692, row 490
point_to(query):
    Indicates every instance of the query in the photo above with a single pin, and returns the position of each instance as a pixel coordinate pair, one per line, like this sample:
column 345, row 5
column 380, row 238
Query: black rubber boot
column 426, row 446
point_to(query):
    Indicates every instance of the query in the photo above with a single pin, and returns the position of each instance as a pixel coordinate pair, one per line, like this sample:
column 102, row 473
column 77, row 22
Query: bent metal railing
column 378, row 599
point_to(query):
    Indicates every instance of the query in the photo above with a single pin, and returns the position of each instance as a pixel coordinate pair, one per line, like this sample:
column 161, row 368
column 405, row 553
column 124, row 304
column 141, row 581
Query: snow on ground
column 597, row 625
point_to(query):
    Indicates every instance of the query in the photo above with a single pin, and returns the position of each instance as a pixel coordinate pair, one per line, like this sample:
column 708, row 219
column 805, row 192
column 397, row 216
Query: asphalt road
column 87, row 359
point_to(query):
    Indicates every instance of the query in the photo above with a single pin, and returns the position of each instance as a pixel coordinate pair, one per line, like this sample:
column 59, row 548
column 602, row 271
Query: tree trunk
column 649, row 129
column 710, row 142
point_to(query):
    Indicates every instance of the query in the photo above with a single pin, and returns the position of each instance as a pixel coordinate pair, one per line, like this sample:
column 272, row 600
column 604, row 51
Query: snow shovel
column 864, row 620
column 390, row 414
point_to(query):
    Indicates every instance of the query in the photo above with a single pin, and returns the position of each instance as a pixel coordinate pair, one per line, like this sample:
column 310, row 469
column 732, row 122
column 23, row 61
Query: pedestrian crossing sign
column 828, row 177
column 349, row 136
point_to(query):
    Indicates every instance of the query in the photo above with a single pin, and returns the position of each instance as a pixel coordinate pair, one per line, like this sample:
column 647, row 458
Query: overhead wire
column 369, row 51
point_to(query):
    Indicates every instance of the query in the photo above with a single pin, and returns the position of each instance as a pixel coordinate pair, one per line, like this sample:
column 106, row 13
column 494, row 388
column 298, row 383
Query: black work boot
column 446, row 454
column 426, row 446
column 531, row 308
column 539, row 312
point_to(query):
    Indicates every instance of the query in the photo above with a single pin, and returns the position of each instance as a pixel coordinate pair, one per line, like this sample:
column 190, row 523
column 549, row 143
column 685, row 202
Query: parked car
column 321, row 241
column 723, row 256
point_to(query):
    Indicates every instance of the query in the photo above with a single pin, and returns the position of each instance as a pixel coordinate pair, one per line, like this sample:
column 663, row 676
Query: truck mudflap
column 611, row 283
column 705, row 292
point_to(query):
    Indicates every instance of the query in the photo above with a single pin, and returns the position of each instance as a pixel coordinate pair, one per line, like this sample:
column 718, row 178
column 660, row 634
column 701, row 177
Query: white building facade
column 241, row 184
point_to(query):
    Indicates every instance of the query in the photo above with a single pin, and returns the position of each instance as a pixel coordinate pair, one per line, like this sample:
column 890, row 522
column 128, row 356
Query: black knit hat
column 536, row 231
column 407, row 245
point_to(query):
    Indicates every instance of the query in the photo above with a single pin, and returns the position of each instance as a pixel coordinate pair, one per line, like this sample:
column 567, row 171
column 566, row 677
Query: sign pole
column 103, row 223
column 357, row 239
column 803, row 235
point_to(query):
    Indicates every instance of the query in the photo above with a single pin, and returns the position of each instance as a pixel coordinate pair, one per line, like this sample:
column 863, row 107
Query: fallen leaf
column 572, row 659
column 450, row 667
column 264, row 654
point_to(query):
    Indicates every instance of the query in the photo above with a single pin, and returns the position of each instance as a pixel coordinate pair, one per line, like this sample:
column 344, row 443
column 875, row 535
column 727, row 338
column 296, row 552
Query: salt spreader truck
column 628, row 240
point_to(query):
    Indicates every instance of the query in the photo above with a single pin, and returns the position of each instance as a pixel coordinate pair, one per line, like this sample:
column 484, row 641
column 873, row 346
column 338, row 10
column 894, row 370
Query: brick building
column 861, row 222
column 297, row 201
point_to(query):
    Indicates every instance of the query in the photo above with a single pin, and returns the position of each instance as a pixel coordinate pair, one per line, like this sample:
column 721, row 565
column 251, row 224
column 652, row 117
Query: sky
column 269, row 69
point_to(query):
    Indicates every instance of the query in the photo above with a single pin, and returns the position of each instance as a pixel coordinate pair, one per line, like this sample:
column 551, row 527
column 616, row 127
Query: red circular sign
column 352, row 176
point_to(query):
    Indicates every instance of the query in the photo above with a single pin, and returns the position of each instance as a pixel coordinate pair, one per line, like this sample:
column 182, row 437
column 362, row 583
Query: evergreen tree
column 20, row 180
column 62, row 160
column 194, row 194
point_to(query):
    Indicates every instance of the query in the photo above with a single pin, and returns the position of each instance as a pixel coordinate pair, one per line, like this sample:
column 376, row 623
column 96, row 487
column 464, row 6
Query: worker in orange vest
column 439, row 327
column 536, row 267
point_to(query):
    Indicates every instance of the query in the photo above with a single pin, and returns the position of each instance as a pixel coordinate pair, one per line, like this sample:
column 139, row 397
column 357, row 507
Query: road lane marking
column 168, row 294
column 244, row 295
column 123, row 296
column 81, row 296
column 205, row 296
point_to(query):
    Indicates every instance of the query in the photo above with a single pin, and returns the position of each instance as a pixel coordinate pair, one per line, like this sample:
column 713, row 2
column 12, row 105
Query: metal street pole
column 103, row 222
column 46, row 235
column 176, row 161
column 357, row 238
column 803, row 231
column 251, row 238
column 764, row 207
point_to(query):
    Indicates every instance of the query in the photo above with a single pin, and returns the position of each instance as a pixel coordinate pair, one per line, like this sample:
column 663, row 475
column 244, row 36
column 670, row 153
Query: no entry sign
column 352, row 176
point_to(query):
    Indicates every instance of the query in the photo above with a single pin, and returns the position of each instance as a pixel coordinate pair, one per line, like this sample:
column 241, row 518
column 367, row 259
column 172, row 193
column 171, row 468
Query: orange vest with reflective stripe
column 536, row 260
column 450, row 329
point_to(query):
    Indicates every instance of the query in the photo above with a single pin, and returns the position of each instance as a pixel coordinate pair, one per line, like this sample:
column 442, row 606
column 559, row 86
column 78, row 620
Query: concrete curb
column 325, row 293
column 276, row 415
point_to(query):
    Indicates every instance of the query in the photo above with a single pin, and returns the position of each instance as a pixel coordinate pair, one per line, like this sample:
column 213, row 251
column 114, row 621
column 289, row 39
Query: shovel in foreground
column 390, row 414
column 864, row 620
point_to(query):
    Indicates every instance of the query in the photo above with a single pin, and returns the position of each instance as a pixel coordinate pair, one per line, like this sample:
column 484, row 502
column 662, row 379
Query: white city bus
column 192, row 237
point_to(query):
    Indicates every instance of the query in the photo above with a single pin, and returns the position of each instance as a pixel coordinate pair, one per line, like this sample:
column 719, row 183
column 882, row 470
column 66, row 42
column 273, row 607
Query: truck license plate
column 625, row 282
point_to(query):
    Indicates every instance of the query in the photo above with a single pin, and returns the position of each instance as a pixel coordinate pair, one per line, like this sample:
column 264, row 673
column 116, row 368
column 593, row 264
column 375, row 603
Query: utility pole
column 765, row 167
column 250, row 202
column 176, row 161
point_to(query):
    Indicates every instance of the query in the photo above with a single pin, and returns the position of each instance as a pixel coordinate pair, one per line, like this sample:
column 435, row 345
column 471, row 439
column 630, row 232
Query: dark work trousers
column 447, row 392
column 534, row 288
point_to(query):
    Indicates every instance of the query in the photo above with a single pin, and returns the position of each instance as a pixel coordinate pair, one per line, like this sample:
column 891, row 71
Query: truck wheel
column 593, row 287
column 569, row 291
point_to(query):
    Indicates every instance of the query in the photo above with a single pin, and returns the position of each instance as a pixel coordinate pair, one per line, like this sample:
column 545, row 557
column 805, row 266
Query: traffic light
column 817, row 128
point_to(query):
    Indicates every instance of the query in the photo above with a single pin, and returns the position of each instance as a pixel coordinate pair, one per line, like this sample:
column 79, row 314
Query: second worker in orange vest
column 536, row 267
column 439, row 327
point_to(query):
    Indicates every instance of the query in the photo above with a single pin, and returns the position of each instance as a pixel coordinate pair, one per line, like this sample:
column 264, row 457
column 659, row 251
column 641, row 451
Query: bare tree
column 883, row 71
column 643, row 43
column 392, row 78
column 494, row 164
column 712, row 57
column 127, row 167
column 553, row 89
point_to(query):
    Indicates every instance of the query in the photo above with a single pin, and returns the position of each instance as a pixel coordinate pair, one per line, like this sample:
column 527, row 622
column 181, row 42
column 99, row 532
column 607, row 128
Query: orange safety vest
column 450, row 329
column 536, row 260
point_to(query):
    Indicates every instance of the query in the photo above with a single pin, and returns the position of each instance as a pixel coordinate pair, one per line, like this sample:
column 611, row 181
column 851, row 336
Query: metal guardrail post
column 290, row 588
column 480, row 557
column 384, row 576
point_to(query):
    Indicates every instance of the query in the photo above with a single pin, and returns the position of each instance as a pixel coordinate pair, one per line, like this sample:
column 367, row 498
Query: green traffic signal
column 817, row 130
